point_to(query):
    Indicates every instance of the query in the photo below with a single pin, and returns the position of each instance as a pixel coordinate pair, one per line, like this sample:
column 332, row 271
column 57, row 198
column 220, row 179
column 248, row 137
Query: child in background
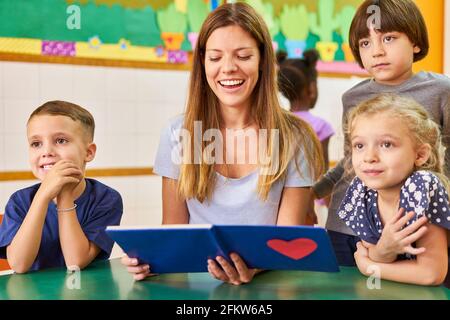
column 60, row 221
column 398, row 158
column 297, row 81
column 387, row 52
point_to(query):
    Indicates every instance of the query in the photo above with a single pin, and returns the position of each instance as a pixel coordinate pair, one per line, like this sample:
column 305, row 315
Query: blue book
column 186, row 248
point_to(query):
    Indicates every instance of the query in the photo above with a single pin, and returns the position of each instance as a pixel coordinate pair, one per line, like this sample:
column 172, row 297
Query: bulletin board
column 298, row 25
column 164, row 32
column 160, row 31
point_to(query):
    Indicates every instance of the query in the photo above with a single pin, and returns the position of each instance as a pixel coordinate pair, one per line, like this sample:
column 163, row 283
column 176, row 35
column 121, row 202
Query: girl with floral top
column 398, row 158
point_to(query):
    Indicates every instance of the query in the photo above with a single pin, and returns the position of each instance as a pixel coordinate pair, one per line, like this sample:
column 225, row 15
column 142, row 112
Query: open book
column 186, row 248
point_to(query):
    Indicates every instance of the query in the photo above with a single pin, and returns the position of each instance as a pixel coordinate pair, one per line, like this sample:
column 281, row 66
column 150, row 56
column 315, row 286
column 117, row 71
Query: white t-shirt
column 234, row 201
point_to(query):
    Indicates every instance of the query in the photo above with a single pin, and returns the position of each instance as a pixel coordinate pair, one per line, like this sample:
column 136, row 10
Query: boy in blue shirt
column 60, row 221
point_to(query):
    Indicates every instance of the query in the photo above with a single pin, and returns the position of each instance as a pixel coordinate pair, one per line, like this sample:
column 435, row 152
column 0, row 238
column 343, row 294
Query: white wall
column 130, row 107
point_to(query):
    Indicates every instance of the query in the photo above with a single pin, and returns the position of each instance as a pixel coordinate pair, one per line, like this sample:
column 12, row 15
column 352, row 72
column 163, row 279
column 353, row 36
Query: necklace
column 225, row 165
column 248, row 124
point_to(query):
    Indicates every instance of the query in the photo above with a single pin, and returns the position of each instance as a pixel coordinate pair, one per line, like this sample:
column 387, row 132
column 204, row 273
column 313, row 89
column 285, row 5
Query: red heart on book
column 295, row 249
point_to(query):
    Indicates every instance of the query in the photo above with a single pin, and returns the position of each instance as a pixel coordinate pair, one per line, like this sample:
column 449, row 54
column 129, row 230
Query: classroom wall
column 447, row 38
column 433, row 13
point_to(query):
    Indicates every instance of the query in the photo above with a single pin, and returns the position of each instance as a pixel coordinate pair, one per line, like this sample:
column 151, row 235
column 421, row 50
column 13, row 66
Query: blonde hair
column 198, row 180
column 422, row 128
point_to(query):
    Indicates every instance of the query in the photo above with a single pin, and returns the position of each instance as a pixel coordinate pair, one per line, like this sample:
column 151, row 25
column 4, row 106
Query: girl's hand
column 139, row 271
column 395, row 240
column 362, row 258
column 63, row 173
column 236, row 274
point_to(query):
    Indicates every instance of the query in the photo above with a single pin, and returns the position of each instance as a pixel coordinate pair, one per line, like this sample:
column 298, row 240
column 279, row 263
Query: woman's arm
column 294, row 206
column 430, row 267
column 175, row 210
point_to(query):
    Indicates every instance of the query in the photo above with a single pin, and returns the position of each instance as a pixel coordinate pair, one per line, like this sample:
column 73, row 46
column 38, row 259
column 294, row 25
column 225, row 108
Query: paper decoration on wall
column 323, row 25
column 166, row 30
column 58, row 48
column 147, row 30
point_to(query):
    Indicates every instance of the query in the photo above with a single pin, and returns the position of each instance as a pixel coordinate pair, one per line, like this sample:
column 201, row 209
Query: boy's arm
column 325, row 185
column 24, row 247
column 430, row 267
column 78, row 251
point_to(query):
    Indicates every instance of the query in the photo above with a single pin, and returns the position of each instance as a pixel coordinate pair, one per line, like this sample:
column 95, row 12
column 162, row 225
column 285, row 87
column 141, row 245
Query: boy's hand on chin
column 68, row 189
column 64, row 175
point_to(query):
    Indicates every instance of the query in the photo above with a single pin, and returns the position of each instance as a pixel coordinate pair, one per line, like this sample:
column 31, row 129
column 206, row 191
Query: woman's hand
column 236, row 274
column 139, row 271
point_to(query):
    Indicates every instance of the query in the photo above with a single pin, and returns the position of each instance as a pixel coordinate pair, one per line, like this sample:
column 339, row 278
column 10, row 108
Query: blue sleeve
column 425, row 194
column 299, row 175
column 168, row 157
column 15, row 213
column 108, row 212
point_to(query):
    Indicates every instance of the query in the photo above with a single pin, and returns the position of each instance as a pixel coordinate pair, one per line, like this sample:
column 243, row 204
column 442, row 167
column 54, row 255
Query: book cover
column 186, row 248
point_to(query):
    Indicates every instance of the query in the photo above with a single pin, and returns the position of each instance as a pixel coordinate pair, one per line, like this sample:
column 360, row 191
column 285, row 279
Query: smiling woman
column 233, row 87
column 232, row 67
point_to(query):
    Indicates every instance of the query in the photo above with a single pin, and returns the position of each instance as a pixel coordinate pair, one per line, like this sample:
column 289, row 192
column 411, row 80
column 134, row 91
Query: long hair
column 198, row 180
column 422, row 128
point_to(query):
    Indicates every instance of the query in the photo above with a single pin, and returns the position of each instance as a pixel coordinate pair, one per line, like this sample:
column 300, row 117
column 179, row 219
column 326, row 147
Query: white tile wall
column 15, row 150
column 20, row 80
column 56, row 82
column 89, row 83
column 17, row 112
column 130, row 107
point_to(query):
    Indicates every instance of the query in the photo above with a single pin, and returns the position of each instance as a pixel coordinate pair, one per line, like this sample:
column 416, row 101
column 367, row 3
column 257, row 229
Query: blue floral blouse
column 422, row 193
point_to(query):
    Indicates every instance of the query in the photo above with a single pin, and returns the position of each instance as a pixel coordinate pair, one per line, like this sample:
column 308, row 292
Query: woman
column 232, row 98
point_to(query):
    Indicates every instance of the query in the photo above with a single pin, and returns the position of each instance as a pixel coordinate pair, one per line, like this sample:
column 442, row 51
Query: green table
column 109, row 280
